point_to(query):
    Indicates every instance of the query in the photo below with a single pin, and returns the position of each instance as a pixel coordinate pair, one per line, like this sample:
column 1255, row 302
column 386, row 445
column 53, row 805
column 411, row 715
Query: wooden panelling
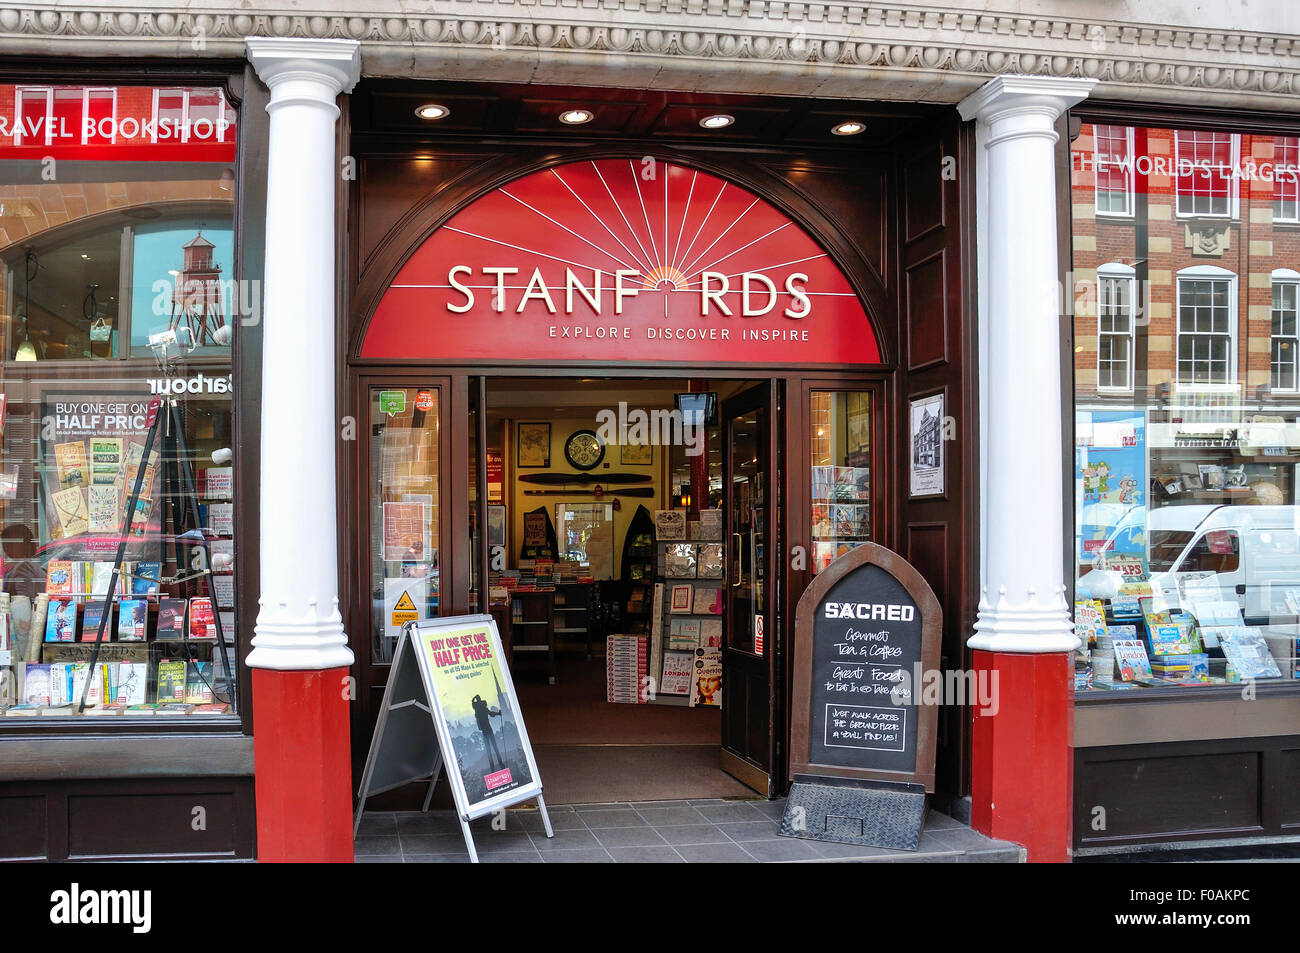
column 153, row 819
column 856, row 203
column 22, row 828
column 926, row 294
column 927, row 550
column 937, row 329
column 393, row 186
column 1167, row 794
column 1286, row 765
column 198, row 823
column 1186, row 791
column 924, row 192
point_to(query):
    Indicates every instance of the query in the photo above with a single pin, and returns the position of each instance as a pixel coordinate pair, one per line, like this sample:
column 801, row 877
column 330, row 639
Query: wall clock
column 584, row 450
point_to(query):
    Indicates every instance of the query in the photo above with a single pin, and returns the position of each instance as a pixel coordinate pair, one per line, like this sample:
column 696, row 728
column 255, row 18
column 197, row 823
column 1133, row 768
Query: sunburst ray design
column 666, row 273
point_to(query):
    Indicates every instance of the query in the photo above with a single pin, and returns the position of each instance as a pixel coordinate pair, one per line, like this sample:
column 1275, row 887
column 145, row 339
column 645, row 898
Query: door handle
column 735, row 562
column 1241, row 588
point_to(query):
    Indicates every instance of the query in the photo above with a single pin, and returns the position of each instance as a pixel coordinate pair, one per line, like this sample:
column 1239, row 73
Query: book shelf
column 532, row 627
column 676, row 569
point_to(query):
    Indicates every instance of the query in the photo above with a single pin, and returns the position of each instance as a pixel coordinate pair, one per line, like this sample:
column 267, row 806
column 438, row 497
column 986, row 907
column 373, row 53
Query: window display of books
column 143, row 641
column 1180, row 633
column 841, row 512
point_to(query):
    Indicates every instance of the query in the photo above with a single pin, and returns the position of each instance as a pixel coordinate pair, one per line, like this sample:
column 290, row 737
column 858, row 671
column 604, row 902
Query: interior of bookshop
column 621, row 562
column 117, row 595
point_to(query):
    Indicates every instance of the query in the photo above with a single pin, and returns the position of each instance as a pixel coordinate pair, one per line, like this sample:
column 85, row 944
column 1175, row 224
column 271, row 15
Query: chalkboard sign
column 864, row 631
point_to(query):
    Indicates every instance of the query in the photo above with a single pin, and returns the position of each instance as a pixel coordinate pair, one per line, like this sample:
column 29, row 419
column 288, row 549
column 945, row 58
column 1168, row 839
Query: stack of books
column 626, row 665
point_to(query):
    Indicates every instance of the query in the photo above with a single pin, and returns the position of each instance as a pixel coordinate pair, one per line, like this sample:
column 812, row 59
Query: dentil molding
column 917, row 51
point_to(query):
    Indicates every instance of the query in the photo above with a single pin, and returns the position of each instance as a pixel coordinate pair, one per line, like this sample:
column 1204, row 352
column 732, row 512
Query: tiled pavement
column 707, row 831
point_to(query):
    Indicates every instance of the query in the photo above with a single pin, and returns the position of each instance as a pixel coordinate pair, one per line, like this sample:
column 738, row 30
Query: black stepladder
column 182, row 510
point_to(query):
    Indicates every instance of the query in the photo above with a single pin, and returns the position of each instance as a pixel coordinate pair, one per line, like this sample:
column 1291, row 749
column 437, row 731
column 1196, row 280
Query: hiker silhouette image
column 483, row 713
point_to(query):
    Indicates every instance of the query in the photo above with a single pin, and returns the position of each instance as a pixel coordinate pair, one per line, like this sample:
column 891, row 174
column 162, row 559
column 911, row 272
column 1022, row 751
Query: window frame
column 1117, row 272
column 1130, row 175
column 1293, row 183
column 1234, row 180
column 1285, row 276
column 1211, row 273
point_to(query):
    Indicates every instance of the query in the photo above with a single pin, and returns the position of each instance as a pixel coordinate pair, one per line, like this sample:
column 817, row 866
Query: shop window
column 90, row 264
column 1286, row 290
column 1205, row 166
column 839, row 437
column 1206, row 323
column 1116, row 292
column 405, row 511
column 1286, row 179
column 1187, row 438
column 1113, row 165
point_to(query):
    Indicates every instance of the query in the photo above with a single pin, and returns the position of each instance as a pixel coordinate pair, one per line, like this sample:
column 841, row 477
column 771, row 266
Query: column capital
column 333, row 64
column 1043, row 98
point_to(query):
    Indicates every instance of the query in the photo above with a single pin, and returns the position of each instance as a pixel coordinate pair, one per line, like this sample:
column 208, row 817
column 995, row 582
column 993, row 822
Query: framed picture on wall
column 496, row 524
column 636, row 455
column 533, row 445
column 925, row 415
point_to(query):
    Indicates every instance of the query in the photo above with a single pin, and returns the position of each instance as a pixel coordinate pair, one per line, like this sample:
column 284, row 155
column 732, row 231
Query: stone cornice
column 843, row 50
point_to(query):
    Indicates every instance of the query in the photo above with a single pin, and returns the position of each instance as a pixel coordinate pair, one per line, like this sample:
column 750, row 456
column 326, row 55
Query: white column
column 298, row 625
column 1022, row 605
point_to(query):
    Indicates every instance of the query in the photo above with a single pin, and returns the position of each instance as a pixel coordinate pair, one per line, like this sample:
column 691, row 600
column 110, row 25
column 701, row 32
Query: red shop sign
column 621, row 259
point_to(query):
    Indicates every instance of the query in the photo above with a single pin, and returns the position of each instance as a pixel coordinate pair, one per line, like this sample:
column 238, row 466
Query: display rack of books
column 638, row 571
column 685, row 651
column 841, row 512
column 217, row 511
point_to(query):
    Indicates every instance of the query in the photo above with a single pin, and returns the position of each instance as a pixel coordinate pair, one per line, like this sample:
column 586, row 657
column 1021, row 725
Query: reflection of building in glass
column 925, row 442
column 196, row 297
column 1185, row 287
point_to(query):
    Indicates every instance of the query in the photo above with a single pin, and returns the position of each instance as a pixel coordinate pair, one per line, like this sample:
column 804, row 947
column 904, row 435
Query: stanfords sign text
column 617, row 260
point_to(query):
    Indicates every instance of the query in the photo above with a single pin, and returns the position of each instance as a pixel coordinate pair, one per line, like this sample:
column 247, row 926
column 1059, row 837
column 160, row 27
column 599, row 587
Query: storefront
column 527, row 336
column 453, row 330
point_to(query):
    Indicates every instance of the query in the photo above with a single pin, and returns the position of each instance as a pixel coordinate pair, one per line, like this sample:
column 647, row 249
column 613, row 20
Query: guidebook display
column 1186, row 632
column 685, row 652
column 841, row 512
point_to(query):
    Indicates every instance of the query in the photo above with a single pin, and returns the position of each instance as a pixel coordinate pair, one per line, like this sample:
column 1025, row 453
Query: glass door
column 406, row 512
column 749, row 477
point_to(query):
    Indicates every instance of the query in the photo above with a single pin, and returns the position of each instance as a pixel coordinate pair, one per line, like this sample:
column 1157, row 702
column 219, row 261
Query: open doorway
column 608, row 508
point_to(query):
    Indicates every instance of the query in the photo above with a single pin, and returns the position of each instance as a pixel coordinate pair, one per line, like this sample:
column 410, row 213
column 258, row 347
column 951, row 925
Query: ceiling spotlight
column 717, row 121
column 850, row 128
column 576, row 117
column 432, row 111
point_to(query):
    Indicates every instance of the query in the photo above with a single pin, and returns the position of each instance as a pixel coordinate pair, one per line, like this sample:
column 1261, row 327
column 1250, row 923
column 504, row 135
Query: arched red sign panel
column 621, row 260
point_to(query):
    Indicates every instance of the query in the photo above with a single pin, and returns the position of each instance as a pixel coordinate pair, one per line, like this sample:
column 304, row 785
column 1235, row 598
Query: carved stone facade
column 935, row 52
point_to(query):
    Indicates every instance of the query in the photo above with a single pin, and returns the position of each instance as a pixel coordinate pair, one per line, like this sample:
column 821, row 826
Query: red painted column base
column 303, row 768
column 1022, row 764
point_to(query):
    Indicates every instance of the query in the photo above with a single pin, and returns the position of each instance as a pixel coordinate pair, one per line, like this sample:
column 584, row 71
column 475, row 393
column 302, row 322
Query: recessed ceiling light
column 432, row 111
column 576, row 117
column 717, row 121
column 850, row 128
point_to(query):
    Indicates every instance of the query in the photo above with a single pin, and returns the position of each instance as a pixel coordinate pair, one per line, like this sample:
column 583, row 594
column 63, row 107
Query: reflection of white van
column 1253, row 550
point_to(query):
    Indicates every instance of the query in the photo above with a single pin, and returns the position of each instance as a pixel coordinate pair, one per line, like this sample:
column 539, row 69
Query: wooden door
column 750, row 715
